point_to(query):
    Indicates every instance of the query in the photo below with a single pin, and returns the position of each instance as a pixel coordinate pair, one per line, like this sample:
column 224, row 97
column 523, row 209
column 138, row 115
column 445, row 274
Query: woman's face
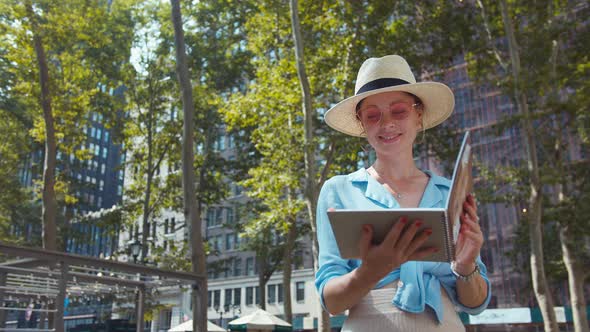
column 391, row 121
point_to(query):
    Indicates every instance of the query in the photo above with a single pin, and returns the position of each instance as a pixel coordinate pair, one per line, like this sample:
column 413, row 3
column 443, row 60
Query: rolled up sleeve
column 449, row 283
column 331, row 265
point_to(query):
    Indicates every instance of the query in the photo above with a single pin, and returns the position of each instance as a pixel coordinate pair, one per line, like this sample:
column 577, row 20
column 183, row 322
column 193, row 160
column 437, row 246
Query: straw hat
column 390, row 73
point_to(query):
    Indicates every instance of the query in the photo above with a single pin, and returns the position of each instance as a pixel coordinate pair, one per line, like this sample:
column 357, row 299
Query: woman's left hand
column 470, row 238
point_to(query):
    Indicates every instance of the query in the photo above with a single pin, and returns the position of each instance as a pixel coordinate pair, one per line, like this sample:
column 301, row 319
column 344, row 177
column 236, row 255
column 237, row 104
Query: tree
column 49, row 200
column 151, row 133
column 519, row 45
column 191, row 210
column 77, row 60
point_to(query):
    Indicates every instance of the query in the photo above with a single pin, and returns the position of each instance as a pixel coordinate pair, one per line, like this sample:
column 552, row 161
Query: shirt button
column 400, row 284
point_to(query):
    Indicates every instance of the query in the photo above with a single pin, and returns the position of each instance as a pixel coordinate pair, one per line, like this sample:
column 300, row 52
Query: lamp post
column 220, row 311
column 135, row 248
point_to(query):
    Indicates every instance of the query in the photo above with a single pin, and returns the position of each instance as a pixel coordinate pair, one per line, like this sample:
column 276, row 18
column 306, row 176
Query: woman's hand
column 470, row 238
column 401, row 244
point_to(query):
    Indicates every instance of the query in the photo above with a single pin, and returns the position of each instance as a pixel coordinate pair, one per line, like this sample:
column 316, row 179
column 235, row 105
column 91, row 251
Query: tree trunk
column 575, row 268
column 287, row 270
column 49, row 209
column 539, row 278
column 575, row 277
column 191, row 209
column 148, row 188
column 262, row 266
column 309, row 155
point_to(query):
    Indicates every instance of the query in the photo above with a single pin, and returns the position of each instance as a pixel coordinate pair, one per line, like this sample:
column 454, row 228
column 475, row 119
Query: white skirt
column 375, row 313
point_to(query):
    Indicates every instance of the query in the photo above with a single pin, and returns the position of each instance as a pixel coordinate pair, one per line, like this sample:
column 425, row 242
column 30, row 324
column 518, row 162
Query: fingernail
column 428, row 231
column 418, row 224
column 403, row 220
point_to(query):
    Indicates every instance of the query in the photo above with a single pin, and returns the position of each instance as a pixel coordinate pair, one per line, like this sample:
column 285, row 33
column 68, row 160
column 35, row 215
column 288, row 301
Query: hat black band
column 381, row 83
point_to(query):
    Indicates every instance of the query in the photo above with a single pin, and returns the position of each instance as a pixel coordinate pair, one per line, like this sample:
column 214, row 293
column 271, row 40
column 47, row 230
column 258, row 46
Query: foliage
column 87, row 45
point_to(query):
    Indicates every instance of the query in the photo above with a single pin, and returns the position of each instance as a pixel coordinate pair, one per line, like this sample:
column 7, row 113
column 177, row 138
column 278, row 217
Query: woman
column 387, row 289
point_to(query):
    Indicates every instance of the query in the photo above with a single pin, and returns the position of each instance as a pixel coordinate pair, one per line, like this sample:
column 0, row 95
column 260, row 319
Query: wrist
column 464, row 272
column 463, row 268
column 364, row 276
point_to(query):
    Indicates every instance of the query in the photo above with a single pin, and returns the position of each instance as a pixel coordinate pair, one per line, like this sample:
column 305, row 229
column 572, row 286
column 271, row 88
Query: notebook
column 444, row 222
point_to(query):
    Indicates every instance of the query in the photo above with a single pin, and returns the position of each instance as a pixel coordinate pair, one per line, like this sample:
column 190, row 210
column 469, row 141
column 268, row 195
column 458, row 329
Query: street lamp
column 220, row 311
column 135, row 248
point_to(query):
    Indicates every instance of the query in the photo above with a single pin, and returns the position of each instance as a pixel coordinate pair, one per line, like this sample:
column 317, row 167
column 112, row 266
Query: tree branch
column 329, row 159
column 490, row 40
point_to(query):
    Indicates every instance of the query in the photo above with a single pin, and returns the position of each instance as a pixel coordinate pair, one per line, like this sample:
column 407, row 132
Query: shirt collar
column 375, row 191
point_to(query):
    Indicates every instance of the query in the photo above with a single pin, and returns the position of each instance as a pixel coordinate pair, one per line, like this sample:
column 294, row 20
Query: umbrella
column 259, row 320
column 188, row 327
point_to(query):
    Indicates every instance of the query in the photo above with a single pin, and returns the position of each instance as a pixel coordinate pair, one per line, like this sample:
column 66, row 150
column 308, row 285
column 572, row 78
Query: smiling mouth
column 389, row 137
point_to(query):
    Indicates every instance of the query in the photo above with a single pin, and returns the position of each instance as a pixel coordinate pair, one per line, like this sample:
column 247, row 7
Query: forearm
column 342, row 293
column 474, row 292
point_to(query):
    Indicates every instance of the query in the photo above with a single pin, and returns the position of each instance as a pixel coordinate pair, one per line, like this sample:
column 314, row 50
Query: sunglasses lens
column 400, row 111
column 371, row 115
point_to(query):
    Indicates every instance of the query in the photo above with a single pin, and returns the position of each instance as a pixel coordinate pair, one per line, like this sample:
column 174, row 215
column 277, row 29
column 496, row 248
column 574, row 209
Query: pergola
column 50, row 275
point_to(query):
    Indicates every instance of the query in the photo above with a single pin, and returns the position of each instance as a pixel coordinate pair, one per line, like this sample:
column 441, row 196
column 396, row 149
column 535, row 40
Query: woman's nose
column 387, row 120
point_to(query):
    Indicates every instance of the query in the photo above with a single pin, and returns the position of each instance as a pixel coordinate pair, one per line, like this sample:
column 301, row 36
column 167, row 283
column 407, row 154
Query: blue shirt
column 420, row 282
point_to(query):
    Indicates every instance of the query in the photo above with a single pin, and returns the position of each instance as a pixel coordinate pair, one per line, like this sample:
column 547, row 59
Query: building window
column 249, row 295
column 300, row 295
column 257, row 292
column 219, row 216
column 229, row 241
column 210, row 217
column 166, row 319
column 216, row 297
column 230, row 215
column 271, row 289
column 236, row 241
column 237, row 267
column 227, row 299
column 250, row 266
column 221, row 143
column 209, row 302
column 105, row 152
column 218, row 242
column 237, row 296
column 230, row 142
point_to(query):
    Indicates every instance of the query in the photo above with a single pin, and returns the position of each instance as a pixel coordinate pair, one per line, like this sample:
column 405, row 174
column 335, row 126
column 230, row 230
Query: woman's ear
column 420, row 120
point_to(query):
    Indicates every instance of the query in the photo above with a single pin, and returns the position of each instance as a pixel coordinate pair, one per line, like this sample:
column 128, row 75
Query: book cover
column 444, row 222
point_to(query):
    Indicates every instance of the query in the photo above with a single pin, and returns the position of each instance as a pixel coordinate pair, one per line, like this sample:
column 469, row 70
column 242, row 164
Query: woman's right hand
column 403, row 243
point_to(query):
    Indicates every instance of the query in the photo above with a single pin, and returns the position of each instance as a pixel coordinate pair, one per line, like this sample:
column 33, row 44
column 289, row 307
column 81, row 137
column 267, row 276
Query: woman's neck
column 396, row 168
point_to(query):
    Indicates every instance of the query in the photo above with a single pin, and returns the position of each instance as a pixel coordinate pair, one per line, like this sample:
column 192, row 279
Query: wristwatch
column 464, row 277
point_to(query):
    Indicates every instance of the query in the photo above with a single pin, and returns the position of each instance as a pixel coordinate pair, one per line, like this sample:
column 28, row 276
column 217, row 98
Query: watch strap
column 464, row 277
